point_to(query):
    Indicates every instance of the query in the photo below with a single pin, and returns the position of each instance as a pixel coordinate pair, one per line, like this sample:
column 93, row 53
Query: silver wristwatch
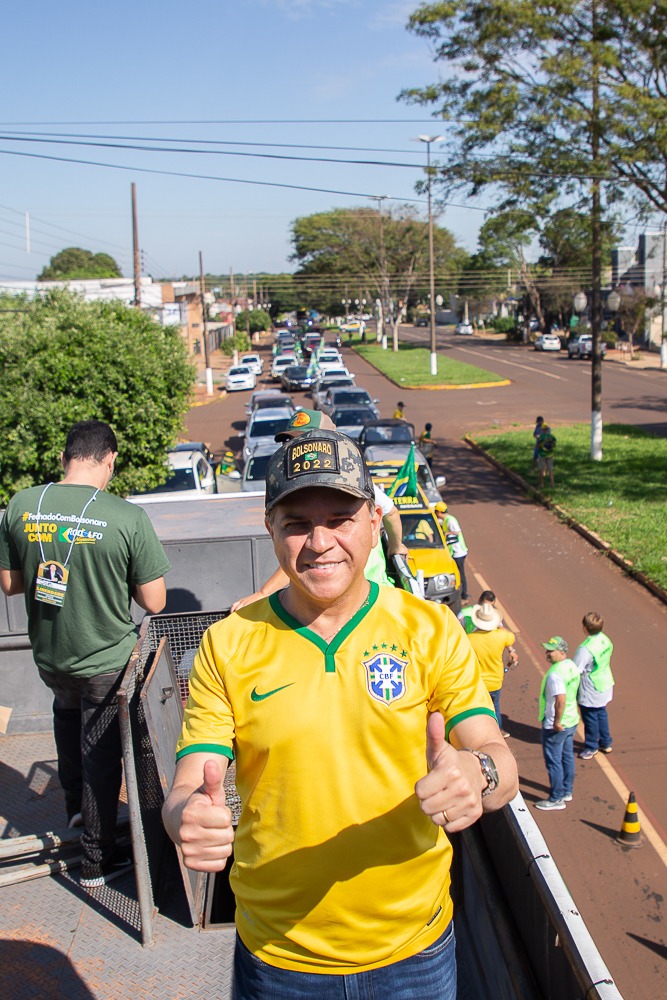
column 489, row 770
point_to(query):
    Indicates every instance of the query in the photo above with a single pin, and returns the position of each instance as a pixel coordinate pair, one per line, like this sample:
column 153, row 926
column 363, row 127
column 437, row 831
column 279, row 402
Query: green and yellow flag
column 405, row 484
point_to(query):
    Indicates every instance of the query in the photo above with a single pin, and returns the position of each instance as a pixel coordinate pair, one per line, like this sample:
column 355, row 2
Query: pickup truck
column 582, row 347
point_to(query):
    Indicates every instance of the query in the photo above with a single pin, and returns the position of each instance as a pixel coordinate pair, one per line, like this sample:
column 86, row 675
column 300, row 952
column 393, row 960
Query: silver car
column 254, row 473
column 263, row 426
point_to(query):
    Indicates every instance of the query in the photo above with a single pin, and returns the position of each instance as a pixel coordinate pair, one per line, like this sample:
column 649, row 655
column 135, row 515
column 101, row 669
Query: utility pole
column 231, row 301
column 135, row 249
column 596, row 253
column 207, row 360
column 384, row 280
column 663, row 298
column 428, row 139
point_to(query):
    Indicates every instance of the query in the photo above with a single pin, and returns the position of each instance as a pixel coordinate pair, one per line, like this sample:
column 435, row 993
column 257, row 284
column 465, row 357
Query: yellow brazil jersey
column 336, row 867
column 489, row 648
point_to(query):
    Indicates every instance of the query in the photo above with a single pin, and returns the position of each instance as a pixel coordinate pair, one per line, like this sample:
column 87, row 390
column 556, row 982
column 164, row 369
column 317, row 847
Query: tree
column 253, row 321
column 552, row 102
column 66, row 360
column 363, row 253
column 74, row 262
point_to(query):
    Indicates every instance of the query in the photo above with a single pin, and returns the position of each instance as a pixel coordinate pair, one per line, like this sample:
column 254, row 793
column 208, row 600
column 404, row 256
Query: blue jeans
column 558, row 750
column 495, row 698
column 596, row 727
column 430, row 974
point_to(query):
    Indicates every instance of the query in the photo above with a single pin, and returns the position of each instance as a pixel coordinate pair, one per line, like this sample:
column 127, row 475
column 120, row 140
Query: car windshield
column 241, row 370
column 420, row 531
column 296, row 371
column 256, row 468
column 351, row 418
column 266, row 402
column 179, row 479
column 359, row 396
column 268, row 428
column 250, row 359
column 393, row 434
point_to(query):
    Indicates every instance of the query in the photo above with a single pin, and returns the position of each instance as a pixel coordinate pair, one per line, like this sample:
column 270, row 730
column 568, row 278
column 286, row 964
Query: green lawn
column 411, row 367
column 623, row 498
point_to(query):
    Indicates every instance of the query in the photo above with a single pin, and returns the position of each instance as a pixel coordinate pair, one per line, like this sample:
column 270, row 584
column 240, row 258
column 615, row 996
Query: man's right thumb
column 213, row 782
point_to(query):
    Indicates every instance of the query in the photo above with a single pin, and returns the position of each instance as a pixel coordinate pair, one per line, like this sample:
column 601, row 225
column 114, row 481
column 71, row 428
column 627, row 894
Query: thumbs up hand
column 451, row 792
column 206, row 834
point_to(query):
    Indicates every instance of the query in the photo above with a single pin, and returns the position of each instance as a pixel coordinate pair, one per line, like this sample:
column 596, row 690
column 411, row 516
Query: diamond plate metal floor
column 57, row 940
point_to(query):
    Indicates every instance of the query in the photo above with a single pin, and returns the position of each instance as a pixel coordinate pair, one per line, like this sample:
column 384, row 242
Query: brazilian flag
column 405, row 484
column 312, row 366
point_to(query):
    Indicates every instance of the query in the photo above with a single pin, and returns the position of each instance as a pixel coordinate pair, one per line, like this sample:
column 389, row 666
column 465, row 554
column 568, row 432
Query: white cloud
column 297, row 9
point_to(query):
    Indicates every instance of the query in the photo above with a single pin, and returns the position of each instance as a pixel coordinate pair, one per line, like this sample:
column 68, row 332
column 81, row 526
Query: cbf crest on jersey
column 385, row 677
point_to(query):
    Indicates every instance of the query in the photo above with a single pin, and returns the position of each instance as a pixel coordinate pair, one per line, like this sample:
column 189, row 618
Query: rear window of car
column 256, row 468
column 351, row 418
column 359, row 397
column 264, row 428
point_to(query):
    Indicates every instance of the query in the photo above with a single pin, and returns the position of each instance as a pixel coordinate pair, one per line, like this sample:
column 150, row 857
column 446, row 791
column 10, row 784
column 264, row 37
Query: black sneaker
column 94, row 875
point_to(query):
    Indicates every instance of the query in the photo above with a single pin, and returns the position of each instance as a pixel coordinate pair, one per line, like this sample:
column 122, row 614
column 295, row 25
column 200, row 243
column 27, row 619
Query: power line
column 205, row 177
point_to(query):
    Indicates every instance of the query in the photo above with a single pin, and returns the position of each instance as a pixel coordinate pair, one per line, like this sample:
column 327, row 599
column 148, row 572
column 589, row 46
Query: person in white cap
column 490, row 640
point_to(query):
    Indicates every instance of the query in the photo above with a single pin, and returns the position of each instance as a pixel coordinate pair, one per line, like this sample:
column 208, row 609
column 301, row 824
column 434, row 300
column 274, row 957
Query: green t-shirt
column 116, row 548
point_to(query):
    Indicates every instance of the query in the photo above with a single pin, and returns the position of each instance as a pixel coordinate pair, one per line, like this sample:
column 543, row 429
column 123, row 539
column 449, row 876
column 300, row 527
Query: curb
column 404, row 385
column 591, row 536
column 207, row 401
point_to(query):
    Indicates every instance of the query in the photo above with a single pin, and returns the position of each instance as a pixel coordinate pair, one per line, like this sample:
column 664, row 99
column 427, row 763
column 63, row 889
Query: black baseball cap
column 317, row 458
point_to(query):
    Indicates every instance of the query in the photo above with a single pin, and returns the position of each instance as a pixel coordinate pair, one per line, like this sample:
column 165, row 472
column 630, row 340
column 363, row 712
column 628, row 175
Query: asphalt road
column 547, row 577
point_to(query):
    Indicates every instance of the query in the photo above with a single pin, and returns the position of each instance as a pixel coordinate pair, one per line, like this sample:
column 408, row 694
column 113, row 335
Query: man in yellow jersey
column 490, row 639
column 362, row 734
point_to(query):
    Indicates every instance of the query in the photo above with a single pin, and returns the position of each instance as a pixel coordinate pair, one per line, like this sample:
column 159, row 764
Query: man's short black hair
column 488, row 597
column 90, row 440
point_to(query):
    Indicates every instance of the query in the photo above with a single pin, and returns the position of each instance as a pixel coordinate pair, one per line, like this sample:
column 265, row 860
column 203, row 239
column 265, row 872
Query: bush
column 66, row 360
column 503, row 324
column 239, row 342
column 609, row 337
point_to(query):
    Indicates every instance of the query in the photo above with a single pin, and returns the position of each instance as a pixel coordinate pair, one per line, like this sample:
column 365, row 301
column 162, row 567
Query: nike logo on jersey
column 256, row 696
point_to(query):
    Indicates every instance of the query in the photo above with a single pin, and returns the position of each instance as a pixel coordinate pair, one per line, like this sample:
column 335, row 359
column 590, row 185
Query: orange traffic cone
column 630, row 835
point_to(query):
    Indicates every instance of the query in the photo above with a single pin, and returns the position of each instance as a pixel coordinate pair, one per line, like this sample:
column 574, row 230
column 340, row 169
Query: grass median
column 410, row 367
column 622, row 498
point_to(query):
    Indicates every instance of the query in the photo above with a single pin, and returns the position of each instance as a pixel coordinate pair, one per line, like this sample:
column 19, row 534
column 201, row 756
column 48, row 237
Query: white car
column 190, row 475
column 280, row 363
column 254, row 363
column 329, row 359
column 464, row 328
column 547, row 342
column 240, row 377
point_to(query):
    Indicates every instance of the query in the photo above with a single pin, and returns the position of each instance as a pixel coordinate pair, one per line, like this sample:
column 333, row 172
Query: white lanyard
column 76, row 530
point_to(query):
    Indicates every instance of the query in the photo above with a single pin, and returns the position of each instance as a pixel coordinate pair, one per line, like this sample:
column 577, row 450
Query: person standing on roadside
column 455, row 542
column 342, row 886
column 546, row 445
column 596, row 687
column 539, row 422
column 399, row 412
column 489, row 641
column 427, row 444
column 559, row 717
column 79, row 622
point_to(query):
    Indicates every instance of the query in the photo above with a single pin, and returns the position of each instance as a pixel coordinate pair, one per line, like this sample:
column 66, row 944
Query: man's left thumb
column 435, row 738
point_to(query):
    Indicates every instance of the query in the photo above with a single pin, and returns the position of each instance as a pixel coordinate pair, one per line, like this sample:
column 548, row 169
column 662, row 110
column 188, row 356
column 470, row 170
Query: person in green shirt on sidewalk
column 596, row 689
column 559, row 716
column 79, row 556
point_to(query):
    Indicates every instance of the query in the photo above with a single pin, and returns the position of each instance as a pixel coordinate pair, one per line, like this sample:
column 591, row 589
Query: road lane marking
column 515, row 364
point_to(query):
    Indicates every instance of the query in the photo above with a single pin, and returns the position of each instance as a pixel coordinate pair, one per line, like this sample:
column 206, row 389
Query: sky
column 282, row 72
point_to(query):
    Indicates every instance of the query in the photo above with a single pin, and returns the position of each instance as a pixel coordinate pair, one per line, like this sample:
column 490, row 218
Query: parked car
column 240, row 377
column 351, row 420
column 582, row 347
column 280, row 363
column 385, row 468
column 189, row 474
column 254, row 362
column 254, row 472
column 465, row 329
column 547, row 342
column 319, row 389
column 349, row 396
column 295, row 378
column 263, row 426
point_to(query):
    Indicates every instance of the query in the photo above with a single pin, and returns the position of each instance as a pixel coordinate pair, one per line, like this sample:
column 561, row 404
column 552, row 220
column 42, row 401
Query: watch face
column 489, row 770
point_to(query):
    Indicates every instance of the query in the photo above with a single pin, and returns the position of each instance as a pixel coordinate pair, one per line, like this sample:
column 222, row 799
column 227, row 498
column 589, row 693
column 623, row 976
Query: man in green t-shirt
column 80, row 555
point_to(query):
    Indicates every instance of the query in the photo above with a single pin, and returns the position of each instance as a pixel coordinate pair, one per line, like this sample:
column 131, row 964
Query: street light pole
column 428, row 139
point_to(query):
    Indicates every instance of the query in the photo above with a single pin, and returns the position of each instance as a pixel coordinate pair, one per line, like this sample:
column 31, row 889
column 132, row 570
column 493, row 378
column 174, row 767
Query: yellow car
column 428, row 551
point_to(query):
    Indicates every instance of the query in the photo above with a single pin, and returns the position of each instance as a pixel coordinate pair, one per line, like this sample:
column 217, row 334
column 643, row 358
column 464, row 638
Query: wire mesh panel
column 153, row 851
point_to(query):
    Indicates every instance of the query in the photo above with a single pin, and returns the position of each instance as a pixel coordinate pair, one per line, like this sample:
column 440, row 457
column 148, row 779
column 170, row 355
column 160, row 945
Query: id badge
column 51, row 583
